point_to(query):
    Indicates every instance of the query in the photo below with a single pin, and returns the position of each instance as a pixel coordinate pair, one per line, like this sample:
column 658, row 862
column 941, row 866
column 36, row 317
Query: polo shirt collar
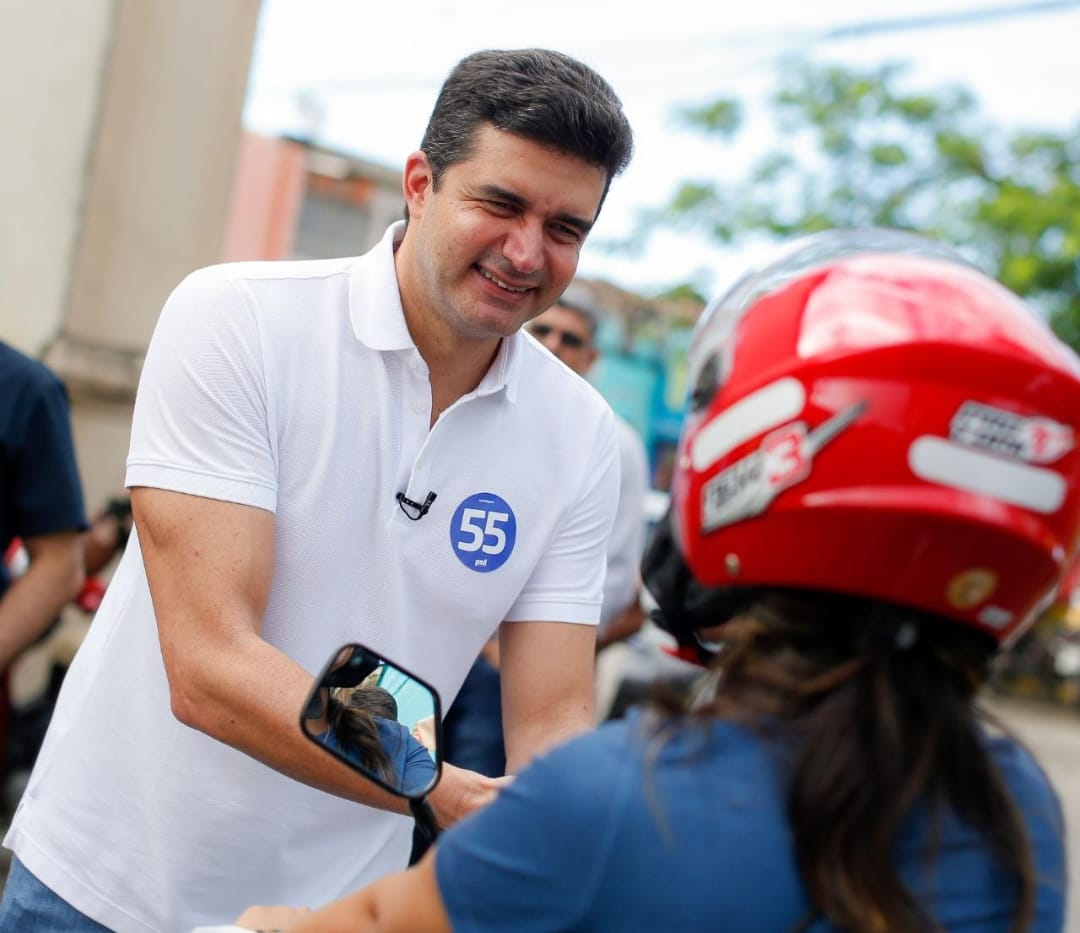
column 503, row 371
column 378, row 319
column 375, row 310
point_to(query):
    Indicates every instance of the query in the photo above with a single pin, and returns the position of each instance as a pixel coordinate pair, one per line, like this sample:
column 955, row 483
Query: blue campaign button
column 483, row 531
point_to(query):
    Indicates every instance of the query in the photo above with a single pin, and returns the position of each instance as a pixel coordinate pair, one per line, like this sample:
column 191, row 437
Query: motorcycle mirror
column 380, row 720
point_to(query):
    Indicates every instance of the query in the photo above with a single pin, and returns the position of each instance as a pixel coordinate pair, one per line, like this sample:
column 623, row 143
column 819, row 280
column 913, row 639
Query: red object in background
column 87, row 599
column 685, row 653
column 90, row 596
column 13, row 556
column 921, row 472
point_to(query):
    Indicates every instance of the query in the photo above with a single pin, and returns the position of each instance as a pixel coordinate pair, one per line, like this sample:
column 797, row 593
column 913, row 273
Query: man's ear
column 417, row 182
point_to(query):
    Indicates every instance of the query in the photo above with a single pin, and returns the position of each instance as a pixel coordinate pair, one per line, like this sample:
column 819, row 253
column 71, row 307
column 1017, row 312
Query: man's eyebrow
column 499, row 193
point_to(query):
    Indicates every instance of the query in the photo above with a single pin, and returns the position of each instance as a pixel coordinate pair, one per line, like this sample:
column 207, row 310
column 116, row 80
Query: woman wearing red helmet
column 878, row 485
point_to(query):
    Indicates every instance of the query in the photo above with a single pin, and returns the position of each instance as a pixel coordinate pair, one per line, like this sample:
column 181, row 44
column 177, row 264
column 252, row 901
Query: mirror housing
column 377, row 718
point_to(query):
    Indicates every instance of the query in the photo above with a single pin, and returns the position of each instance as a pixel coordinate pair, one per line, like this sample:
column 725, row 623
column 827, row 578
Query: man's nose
column 524, row 247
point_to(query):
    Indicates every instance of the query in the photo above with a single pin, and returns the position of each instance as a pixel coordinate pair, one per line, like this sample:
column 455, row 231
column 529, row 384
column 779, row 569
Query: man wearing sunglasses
column 568, row 329
column 569, row 334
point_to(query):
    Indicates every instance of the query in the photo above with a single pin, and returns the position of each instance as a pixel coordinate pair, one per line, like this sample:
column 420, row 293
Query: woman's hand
column 424, row 732
column 270, row 919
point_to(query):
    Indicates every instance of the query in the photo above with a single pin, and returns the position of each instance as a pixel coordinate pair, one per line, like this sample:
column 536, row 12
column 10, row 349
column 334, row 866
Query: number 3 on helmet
column 872, row 415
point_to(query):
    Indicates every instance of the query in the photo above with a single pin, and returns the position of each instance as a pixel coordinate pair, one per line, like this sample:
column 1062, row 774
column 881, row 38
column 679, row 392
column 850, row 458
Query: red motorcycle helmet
column 871, row 415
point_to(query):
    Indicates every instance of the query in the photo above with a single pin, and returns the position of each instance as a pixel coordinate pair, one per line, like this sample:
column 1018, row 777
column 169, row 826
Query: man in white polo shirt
column 362, row 449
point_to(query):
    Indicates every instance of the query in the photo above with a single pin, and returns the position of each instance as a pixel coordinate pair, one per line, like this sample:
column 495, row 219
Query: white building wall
column 120, row 122
column 53, row 63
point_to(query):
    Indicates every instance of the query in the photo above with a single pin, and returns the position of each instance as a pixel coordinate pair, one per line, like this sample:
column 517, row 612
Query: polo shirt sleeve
column 532, row 860
column 47, row 494
column 567, row 584
column 202, row 414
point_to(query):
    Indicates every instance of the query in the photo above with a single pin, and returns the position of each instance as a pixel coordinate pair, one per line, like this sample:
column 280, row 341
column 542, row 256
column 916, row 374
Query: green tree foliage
column 861, row 148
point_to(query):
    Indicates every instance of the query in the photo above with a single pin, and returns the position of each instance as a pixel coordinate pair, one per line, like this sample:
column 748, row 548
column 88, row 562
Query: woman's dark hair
column 873, row 707
column 351, row 714
column 376, row 700
column 541, row 95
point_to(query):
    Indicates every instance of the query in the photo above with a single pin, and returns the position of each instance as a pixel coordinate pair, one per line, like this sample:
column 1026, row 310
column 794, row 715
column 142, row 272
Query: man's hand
column 459, row 792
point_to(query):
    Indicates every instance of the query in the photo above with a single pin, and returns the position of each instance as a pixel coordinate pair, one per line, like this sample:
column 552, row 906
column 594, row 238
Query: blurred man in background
column 41, row 516
column 41, row 504
column 568, row 329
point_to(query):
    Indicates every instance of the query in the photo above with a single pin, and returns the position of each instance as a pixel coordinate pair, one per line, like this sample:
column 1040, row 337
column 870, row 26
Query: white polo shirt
column 295, row 387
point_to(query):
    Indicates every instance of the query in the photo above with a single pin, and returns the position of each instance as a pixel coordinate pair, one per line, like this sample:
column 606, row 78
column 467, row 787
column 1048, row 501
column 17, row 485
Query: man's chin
column 493, row 321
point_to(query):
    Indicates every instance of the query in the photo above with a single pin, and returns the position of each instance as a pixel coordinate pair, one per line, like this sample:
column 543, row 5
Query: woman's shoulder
column 394, row 736
column 390, row 727
column 1025, row 777
column 1035, row 798
column 647, row 738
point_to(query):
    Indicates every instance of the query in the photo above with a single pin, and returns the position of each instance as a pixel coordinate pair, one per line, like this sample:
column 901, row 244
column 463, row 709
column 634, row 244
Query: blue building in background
column 642, row 374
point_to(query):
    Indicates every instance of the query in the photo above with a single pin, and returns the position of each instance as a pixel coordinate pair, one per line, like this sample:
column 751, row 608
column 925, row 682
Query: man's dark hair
column 543, row 96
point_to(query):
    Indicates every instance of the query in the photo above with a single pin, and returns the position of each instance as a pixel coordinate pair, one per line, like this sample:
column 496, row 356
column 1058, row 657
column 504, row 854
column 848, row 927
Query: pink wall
column 268, row 188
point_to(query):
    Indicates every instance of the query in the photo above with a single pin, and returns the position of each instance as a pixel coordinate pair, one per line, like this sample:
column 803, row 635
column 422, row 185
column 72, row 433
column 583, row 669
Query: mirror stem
column 425, row 817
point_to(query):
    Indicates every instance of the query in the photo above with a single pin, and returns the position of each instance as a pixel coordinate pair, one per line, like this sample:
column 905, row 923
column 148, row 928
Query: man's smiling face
column 498, row 240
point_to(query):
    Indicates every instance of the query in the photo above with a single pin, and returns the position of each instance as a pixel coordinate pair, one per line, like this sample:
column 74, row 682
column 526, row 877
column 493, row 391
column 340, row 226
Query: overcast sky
column 363, row 77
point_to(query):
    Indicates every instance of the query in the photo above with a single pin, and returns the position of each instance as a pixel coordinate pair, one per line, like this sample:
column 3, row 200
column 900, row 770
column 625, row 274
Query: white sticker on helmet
column 1034, row 439
column 996, row 617
column 937, row 460
column 768, row 407
column 784, row 459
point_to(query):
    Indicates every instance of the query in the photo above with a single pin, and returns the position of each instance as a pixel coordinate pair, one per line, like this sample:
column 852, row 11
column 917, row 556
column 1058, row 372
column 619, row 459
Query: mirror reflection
column 377, row 718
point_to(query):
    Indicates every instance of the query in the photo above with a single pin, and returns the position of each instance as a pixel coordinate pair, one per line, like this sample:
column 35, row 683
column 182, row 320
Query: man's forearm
column 35, row 598
column 224, row 695
column 547, row 686
column 549, row 728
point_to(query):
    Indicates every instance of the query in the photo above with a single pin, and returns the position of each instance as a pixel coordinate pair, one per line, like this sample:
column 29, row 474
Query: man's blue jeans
column 30, row 907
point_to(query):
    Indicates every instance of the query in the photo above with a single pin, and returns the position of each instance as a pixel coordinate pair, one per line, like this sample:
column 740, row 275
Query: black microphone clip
column 420, row 508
